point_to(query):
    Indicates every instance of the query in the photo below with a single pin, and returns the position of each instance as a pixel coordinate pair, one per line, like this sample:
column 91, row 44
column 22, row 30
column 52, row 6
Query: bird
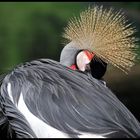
column 44, row 98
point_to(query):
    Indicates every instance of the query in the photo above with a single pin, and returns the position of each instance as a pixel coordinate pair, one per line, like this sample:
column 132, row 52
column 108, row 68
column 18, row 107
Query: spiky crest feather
column 106, row 33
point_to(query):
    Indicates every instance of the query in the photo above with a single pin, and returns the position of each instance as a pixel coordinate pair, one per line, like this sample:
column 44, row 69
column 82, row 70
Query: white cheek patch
column 82, row 61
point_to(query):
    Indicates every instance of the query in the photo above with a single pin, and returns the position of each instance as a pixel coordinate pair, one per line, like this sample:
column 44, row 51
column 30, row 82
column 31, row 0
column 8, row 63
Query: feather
column 106, row 33
column 53, row 93
column 12, row 123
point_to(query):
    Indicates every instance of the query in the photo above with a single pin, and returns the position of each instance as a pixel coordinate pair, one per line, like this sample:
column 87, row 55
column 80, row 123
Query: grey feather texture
column 12, row 123
column 68, row 54
column 70, row 101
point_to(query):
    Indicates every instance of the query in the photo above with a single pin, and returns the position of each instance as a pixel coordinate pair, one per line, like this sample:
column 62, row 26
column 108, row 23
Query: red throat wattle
column 73, row 67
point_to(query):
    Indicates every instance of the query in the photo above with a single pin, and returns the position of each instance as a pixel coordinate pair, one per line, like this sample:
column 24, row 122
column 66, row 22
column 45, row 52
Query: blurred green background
column 32, row 30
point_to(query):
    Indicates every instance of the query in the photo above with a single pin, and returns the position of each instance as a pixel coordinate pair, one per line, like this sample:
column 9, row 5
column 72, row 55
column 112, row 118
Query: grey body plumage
column 13, row 124
column 53, row 93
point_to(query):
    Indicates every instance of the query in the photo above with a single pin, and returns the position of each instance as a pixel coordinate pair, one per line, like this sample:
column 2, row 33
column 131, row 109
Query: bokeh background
column 32, row 30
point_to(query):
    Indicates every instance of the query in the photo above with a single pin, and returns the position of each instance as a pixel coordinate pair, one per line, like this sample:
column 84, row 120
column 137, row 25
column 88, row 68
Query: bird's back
column 71, row 102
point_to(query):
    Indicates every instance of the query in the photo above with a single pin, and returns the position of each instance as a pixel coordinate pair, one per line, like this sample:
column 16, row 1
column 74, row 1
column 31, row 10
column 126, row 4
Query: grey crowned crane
column 69, row 99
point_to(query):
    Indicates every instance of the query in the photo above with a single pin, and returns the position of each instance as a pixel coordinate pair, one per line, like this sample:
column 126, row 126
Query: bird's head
column 82, row 60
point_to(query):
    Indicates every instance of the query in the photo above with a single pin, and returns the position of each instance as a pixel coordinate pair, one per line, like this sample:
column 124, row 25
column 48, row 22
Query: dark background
column 32, row 30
